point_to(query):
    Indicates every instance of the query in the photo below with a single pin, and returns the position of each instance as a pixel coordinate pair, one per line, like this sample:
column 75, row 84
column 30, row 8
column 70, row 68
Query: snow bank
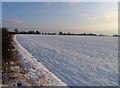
column 39, row 74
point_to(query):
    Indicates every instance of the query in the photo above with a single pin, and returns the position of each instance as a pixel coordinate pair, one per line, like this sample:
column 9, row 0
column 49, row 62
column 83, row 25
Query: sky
column 76, row 17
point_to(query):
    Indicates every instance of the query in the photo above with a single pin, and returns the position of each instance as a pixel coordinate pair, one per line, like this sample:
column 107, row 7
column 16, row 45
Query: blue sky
column 74, row 17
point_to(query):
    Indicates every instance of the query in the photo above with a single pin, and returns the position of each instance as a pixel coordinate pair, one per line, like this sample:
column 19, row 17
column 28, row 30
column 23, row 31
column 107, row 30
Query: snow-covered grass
column 76, row 60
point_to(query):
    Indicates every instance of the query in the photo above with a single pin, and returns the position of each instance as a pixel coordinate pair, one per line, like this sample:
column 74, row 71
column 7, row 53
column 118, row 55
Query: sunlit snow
column 76, row 60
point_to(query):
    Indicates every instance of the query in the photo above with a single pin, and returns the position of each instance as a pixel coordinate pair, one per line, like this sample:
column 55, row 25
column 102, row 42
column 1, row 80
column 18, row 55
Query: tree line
column 32, row 32
column 60, row 33
column 16, row 31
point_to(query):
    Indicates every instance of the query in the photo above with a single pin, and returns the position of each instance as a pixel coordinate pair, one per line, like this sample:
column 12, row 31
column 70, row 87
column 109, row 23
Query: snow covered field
column 35, row 72
column 76, row 60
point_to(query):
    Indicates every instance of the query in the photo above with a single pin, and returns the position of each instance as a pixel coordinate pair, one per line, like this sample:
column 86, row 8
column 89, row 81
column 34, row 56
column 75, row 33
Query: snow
column 76, row 60
column 35, row 70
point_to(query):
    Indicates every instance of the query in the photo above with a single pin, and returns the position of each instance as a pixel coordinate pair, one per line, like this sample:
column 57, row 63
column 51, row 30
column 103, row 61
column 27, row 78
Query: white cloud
column 108, row 16
column 12, row 24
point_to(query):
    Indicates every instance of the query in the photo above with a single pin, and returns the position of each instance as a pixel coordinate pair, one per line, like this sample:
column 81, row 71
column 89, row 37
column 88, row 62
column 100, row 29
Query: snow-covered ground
column 76, row 60
column 35, row 71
